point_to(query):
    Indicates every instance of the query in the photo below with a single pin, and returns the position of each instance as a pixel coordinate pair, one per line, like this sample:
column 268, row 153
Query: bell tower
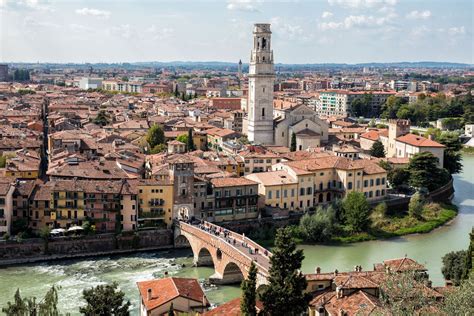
column 261, row 79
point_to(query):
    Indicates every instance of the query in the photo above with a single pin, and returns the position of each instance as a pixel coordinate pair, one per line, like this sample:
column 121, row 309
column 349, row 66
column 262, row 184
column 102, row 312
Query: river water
column 74, row 275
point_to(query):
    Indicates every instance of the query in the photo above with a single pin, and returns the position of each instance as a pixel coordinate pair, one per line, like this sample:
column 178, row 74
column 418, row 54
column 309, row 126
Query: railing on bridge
column 261, row 250
column 226, row 237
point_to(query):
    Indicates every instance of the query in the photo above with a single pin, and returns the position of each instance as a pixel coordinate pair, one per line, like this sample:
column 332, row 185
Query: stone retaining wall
column 33, row 250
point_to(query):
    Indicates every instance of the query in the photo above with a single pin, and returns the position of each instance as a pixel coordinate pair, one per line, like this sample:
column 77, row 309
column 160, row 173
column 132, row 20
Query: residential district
column 128, row 149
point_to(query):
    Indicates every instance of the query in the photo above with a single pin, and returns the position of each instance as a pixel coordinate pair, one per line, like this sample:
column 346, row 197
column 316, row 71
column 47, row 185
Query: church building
column 265, row 125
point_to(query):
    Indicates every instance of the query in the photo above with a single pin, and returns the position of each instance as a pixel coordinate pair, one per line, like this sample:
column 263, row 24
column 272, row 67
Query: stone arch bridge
column 230, row 253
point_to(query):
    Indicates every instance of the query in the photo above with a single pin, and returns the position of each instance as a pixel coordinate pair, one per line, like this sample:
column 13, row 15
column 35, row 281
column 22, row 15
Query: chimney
column 335, row 272
column 149, row 295
column 318, row 270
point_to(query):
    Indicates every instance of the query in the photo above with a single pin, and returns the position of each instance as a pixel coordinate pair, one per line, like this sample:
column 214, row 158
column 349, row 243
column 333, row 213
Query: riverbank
column 382, row 228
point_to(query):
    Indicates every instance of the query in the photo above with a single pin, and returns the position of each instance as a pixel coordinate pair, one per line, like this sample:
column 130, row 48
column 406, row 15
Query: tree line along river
column 74, row 275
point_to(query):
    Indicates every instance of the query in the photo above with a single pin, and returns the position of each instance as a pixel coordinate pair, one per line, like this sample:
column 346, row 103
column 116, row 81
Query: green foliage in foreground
column 30, row 306
column 105, row 300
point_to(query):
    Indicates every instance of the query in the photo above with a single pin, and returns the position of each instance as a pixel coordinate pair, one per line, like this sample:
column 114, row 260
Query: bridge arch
column 204, row 258
column 232, row 273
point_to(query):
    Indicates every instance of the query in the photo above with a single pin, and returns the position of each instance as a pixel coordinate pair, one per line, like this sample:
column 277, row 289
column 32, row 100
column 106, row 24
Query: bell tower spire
column 261, row 80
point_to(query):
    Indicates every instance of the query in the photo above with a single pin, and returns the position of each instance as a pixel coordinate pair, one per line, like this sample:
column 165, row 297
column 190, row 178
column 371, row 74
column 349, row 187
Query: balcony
column 157, row 214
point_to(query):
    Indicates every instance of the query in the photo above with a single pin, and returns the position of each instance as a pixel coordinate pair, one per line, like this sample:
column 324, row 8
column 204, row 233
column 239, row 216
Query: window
column 349, row 185
column 370, row 194
column 366, row 183
column 277, row 194
column 377, row 181
column 371, row 182
column 292, row 192
column 301, row 191
column 309, row 191
column 263, row 112
column 383, row 180
column 269, row 194
column 285, row 193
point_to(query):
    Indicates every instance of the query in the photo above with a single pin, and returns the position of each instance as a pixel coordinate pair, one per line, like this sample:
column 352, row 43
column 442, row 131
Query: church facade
column 265, row 125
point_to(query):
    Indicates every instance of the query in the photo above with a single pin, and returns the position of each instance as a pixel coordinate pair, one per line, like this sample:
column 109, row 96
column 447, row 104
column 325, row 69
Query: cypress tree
column 190, row 141
column 249, row 293
column 377, row 150
column 285, row 293
column 293, row 142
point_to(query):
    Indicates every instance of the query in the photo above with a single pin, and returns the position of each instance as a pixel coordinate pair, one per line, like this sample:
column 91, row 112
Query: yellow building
column 67, row 203
column 302, row 184
column 25, row 164
column 155, row 203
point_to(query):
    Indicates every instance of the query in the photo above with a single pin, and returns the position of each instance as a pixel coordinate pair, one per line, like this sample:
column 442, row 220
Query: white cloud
column 358, row 21
column 94, row 12
column 419, row 32
column 356, row 4
column 419, row 15
column 286, row 30
column 243, row 5
column 159, row 34
column 32, row 24
column 326, row 14
column 37, row 5
column 79, row 28
column 457, row 30
column 124, row 30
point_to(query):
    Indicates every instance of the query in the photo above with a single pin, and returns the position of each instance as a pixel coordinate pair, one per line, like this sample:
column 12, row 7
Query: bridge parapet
column 226, row 248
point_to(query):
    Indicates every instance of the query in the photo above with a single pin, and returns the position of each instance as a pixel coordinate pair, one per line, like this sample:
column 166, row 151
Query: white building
column 261, row 79
column 90, row 83
column 332, row 102
column 469, row 130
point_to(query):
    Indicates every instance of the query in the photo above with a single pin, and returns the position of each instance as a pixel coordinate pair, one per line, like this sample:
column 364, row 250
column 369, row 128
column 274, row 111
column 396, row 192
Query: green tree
column 453, row 266
column 460, row 300
column 182, row 138
column 425, row 173
column 249, row 292
column 190, row 142
column 104, row 300
column 452, row 154
column 102, row 118
column 293, row 142
column 176, row 92
column 285, row 294
column 3, row 161
column 45, row 233
column 155, row 136
column 391, row 107
column 318, row 227
column 403, row 294
column 377, row 150
column 356, row 211
column 158, row 149
column 398, row 177
column 416, row 205
column 469, row 266
column 30, row 306
column 171, row 310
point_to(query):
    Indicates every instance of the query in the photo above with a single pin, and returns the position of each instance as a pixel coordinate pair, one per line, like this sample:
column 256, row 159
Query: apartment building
column 302, row 184
column 155, row 203
column 332, row 102
column 6, row 206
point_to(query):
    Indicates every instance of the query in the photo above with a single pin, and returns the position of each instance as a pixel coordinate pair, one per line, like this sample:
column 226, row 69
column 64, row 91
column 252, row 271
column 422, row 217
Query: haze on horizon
column 323, row 31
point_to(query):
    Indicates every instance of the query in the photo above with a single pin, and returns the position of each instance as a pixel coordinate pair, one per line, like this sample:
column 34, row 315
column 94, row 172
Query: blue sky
column 318, row 31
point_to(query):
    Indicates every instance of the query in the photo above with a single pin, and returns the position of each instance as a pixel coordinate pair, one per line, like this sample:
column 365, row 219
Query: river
column 74, row 275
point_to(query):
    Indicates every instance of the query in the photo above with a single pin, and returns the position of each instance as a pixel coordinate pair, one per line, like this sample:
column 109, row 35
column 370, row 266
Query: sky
column 317, row 31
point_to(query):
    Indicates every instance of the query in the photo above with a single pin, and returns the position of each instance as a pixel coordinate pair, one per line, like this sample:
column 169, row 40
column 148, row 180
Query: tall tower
column 261, row 78
column 239, row 69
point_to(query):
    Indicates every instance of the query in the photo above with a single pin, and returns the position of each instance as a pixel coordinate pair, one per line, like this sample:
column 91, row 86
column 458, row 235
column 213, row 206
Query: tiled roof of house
column 165, row 290
column 418, row 141
column 231, row 182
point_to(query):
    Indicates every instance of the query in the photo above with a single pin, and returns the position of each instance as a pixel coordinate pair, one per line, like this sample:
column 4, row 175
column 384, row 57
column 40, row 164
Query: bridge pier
column 228, row 278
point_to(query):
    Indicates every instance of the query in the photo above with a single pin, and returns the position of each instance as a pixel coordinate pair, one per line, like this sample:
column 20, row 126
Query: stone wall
column 33, row 250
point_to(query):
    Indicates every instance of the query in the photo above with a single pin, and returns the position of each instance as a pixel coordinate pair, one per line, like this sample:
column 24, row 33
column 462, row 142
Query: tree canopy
column 105, row 300
column 155, row 136
column 249, row 292
column 293, row 142
column 356, row 211
column 30, row 306
column 453, row 266
column 377, row 150
column 285, row 294
column 425, row 173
